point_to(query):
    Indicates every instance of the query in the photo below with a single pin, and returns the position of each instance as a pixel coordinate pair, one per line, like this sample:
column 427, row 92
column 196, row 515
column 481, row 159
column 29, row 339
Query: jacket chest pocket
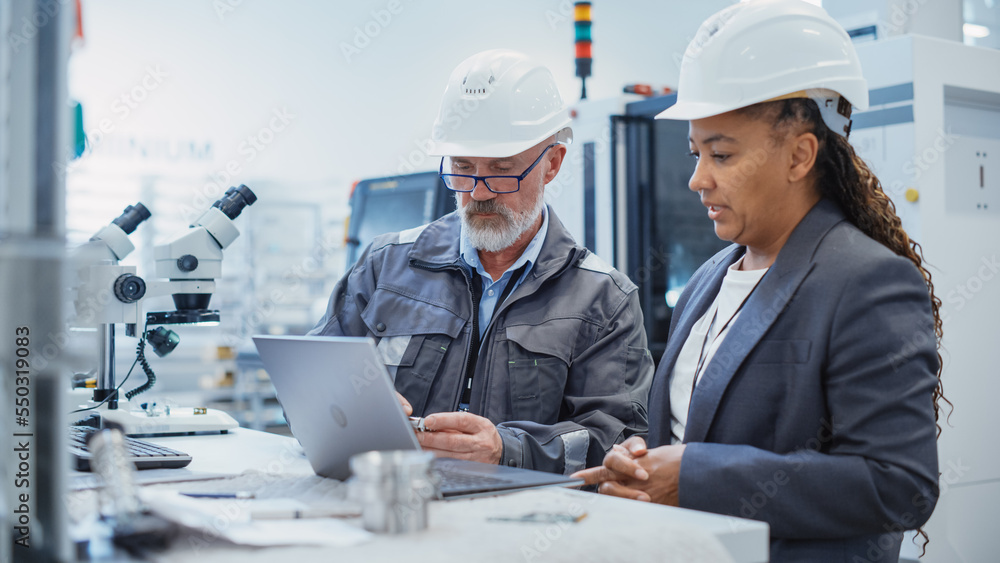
column 415, row 369
column 538, row 359
column 781, row 352
column 415, row 337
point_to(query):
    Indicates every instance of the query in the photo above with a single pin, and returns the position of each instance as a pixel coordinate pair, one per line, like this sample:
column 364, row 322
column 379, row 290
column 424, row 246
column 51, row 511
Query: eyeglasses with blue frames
column 495, row 184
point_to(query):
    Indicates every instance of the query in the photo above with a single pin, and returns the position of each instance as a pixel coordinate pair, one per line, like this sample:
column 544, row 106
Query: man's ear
column 555, row 158
column 804, row 148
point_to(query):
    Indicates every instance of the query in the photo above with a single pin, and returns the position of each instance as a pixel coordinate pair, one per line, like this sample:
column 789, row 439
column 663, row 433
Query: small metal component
column 419, row 424
column 200, row 410
column 393, row 489
column 541, row 518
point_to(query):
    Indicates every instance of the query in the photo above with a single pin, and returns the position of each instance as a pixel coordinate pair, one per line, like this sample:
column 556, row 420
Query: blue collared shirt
column 492, row 289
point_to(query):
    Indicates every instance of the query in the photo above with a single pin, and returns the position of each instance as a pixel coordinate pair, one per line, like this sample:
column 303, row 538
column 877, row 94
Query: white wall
column 172, row 90
column 222, row 67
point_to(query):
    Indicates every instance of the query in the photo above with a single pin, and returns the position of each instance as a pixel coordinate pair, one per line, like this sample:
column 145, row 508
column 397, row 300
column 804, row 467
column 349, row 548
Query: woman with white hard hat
column 801, row 380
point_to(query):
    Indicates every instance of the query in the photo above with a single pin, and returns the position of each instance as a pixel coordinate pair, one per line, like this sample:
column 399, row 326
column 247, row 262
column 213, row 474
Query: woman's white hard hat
column 764, row 50
column 499, row 103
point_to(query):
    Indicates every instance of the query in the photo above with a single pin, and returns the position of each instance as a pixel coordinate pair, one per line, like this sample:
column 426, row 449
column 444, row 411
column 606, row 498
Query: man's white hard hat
column 764, row 50
column 499, row 103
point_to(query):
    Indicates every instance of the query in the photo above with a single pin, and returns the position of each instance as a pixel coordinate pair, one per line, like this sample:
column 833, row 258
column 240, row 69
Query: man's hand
column 407, row 407
column 632, row 471
column 462, row 435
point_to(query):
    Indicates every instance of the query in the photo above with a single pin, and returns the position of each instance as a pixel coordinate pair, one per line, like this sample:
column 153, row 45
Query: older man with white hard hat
column 519, row 346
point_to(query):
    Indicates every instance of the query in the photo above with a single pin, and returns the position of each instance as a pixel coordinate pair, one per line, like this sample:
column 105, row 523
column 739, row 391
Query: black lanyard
column 470, row 369
column 701, row 355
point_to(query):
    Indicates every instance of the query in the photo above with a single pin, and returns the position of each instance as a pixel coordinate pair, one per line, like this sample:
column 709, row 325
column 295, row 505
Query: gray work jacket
column 563, row 370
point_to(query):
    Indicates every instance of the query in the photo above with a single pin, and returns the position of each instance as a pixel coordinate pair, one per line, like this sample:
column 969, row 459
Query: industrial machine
column 396, row 203
column 623, row 194
column 110, row 294
column 932, row 135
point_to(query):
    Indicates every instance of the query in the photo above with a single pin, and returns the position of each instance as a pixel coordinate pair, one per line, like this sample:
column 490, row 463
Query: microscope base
column 180, row 422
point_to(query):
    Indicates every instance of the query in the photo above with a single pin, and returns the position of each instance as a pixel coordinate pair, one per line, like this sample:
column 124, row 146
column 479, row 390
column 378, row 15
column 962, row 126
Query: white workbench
column 459, row 530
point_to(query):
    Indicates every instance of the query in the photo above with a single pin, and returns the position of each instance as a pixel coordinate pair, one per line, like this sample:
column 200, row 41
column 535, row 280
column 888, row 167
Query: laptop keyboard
column 145, row 455
column 458, row 480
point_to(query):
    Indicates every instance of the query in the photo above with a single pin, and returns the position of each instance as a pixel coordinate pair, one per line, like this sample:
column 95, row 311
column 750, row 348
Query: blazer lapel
column 701, row 298
column 776, row 289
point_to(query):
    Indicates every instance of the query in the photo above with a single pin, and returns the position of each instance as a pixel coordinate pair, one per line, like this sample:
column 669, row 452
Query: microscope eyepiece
column 235, row 199
column 133, row 215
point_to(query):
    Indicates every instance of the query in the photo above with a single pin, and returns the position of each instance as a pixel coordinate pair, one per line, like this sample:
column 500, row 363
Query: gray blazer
column 816, row 413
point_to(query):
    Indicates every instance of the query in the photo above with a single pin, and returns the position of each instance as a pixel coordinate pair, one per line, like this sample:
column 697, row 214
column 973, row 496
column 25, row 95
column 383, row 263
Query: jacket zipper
column 473, row 337
column 475, row 323
column 475, row 343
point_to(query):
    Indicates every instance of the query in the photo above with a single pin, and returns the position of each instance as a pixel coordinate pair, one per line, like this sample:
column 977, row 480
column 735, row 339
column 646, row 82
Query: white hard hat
column 764, row 50
column 499, row 103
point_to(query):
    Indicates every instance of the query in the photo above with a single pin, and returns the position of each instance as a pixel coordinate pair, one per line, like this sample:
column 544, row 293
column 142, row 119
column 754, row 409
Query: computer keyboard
column 459, row 480
column 144, row 454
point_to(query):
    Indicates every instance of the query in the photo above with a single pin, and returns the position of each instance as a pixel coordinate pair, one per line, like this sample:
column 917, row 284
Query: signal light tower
column 582, row 24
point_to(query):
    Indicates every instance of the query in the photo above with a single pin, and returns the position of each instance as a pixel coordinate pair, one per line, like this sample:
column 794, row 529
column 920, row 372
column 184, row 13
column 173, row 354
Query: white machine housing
column 949, row 154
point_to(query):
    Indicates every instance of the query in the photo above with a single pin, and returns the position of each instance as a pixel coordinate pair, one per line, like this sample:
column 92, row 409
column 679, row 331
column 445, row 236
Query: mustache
column 486, row 206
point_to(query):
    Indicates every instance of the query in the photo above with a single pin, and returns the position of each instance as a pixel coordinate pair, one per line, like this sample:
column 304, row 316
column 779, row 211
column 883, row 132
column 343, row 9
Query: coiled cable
column 140, row 357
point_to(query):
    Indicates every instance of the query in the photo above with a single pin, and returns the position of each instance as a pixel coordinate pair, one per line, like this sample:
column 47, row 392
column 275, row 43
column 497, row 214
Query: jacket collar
column 792, row 266
column 438, row 245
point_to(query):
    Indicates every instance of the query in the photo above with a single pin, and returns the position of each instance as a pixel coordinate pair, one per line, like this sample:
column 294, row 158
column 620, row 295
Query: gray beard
column 502, row 231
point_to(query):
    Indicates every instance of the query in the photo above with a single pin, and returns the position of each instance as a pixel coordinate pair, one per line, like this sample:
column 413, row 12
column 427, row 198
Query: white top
column 705, row 335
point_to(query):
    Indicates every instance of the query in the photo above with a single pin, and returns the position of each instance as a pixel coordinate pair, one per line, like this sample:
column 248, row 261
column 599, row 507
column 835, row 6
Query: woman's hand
column 632, row 471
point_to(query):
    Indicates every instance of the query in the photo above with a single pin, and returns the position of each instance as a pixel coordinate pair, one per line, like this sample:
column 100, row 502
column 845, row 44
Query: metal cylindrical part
column 118, row 498
column 106, row 367
column 393, row 489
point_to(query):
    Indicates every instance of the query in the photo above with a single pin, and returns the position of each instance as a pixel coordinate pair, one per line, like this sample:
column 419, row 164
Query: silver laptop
column 339, row 401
